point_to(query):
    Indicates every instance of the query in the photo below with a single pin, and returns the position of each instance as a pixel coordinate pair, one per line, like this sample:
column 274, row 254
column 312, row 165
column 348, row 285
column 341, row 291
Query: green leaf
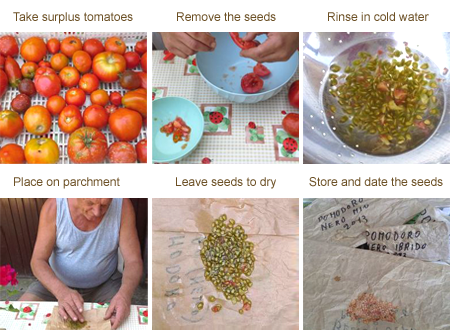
column 260, row 136
column 253, row 138
column 195, row 69
column 279, row 139
column 227, row 121
column 283, row 135
column 191, row 69
column 213, row 127
column 222, row 110
column 11, row 308
column 13, row 292
column 145, row 319
column 141, row 312
column 206, row 116
column 285, row 153
column 252, row 131
column 223, row 125
column 189, row 61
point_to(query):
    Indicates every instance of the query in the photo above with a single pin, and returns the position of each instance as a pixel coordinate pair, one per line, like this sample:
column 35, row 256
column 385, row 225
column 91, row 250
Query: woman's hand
column 187, row 44
column 278, row 47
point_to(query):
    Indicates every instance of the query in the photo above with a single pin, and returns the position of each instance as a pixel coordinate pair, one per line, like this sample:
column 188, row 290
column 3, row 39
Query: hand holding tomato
column 278, row 47
column 186, row 44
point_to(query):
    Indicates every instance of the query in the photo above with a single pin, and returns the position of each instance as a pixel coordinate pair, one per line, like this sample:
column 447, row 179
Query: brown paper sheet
column 178, row 281
column 94, row 317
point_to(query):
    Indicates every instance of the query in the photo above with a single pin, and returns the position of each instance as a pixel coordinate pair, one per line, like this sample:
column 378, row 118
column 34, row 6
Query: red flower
column 206, row 160
column 8, row 275
column 252, row 125
column 194, row 62
column 145, row 313
column 27, row 309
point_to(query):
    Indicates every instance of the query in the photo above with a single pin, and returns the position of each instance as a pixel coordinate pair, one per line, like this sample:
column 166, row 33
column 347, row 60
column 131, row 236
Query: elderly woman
column 75, row 257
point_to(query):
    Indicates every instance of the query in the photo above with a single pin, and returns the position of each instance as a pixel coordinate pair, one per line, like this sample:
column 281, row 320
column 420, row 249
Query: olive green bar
column 62, row 183
column 73, row 17
column 374, row 181
column 378, row 16
column 218, row 183
column 226, row 16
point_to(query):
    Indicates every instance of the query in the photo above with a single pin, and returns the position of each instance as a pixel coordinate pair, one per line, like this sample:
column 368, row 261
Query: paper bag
column 94, row 320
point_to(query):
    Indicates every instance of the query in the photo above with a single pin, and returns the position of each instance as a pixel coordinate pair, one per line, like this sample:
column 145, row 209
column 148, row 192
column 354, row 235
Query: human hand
column 278, row 47
column 118, row 309
column 70, row 304
column 186, row 44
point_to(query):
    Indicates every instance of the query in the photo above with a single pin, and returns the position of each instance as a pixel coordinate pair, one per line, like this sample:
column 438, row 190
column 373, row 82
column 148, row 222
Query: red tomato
column 294, row 95
column 12, row 154
column 87, row 145
column 89, row 83
column 143, row 76
column 76, row 97
column 121, row 152
column 251, row 83
column 59, row 62
column 141, row 150
column 141, row 47
column 11, row 124
column 115, row 44
column 144, row 62
column 69, row 45
column 93, row 47
column 13, row 72
column 243, row 44
column 82, row 61
column 27, row 87
column 53, row 45
column 110, row 109
column 55, row 104
column 69, row 76
column 43, row 63
column 41, row 151
column 108, row 65
column 8, row 46
column 38, row 120
column 70, row 119
column 95, row 116
column 33, row 49
column 260, row 70
column 2, row 62
column 115, row 98
column 47, row 82
column 291, row 124
column 29, row 70
column 3, row 83
column 100, row 97
column 125, row 124
column 132, row 58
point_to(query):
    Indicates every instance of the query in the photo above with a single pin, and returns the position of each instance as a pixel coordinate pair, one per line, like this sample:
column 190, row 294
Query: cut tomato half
column 251, row 83
column 260, row 70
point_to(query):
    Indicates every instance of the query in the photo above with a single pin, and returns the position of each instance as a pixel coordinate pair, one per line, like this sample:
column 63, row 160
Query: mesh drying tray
column 55, row 133
column 320, row 143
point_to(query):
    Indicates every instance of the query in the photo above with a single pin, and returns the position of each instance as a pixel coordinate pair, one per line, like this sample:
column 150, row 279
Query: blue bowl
column 223, row 69
column 165, row 110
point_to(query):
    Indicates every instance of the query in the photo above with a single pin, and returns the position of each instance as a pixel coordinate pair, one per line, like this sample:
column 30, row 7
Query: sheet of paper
column 94, row 320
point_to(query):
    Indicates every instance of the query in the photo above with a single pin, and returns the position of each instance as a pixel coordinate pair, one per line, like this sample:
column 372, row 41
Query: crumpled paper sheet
column 94, row 317
column 344, row 221
column 178, row 281
column 334, row 275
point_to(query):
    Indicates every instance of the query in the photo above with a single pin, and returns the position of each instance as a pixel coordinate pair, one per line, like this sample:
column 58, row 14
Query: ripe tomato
column 115, row 44
column 95, row 116
column 115, row 98
column 125, row 124
column 87, row 145
column 13, row 72
column 141, row 150
column 144, row 62
column 251, row 83
column 29, row 70
column 8, row 46
column 33, row 49
column 130, row 80
column 260, row 70
column 27, row 87
column 291, row 124
column 71, row 44
column 136, row 100
column 11, row 124
column 37, row 120
column 76, row 97
column 53, row 45
column 69, row 76
column 82, row 61
column 141, row 47
column 143, row 77
column 59, row 62
column 70, row 119
column 100, row 97
column 2, row 62
column 108, row 65
column 41, row 151
column 93, row 47
column 43, row 63
column 121, row 152
column 110, row 109
column 89, row 83
column 55, row 104
column 294, row 94
column 47, row 82
column 12, row 154
column 3, row 82
column 132, row 58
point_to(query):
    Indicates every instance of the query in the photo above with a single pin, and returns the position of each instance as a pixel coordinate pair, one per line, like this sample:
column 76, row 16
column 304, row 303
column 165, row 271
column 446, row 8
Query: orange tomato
column 82, row 61
column 37, row 120
column 75, row 96
column 59, row 62
column 71, row 44
column 41, row 151
column 95, row 116
column 116, row 45
column 29, row 70
column 137, row 101
column 12, row 154
column 144, row 62
column 33, row 49
column 70, row 119
column 69, row 76
column 93, row 47
column 125, row 124
column 108, row 65
column 53, row 45
column 89, row 83
column 11, row 124
column 99, row 97
column 56, row 104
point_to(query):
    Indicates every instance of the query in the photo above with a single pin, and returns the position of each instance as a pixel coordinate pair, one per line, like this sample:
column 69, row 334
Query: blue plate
column 223, row 69
column 165, row 110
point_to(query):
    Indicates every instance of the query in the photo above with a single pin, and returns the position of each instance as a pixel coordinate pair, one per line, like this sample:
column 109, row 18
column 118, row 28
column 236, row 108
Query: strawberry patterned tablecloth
column 234, row 133
column 35, row 315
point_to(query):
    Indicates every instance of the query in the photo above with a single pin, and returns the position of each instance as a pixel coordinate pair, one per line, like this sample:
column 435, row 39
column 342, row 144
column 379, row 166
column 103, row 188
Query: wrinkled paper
column 94, row 317
column 179, row 226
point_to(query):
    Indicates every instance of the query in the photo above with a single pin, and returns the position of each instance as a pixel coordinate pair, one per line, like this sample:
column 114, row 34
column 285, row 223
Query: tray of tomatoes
column 73, row 98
